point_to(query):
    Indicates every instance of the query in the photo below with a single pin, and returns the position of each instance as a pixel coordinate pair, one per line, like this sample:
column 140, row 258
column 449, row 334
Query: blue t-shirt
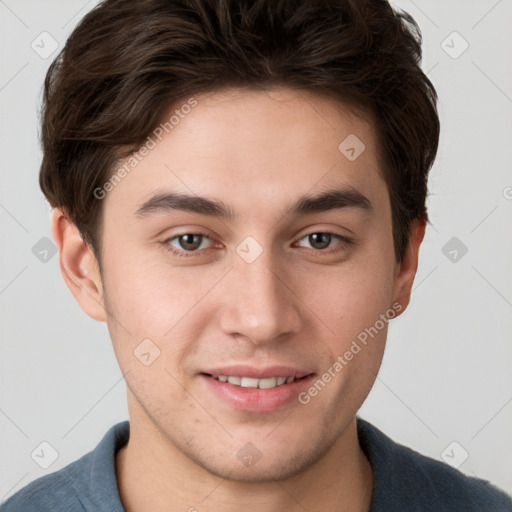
column 404, row 480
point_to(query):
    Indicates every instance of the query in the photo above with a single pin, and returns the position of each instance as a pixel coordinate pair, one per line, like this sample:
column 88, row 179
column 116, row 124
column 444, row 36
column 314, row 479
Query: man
column 239, row 193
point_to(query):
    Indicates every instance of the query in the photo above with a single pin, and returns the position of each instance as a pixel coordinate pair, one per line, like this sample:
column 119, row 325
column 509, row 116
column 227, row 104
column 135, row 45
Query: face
column 249, row 275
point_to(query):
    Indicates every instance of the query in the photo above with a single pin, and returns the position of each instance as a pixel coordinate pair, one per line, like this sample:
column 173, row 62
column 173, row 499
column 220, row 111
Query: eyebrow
column 346, row 197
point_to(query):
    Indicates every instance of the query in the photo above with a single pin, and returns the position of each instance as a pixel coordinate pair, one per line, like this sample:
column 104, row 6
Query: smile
column 261, row 391
column 250, row 382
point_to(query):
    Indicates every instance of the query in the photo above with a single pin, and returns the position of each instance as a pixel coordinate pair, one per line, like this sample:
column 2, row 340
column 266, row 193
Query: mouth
column 250, row 382
column 255, row 390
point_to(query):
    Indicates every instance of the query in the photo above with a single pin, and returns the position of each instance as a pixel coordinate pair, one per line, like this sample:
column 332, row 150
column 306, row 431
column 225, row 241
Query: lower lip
column 256, row 399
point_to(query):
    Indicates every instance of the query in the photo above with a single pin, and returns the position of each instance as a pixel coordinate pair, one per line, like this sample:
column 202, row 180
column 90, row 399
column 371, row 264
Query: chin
column 254, row 466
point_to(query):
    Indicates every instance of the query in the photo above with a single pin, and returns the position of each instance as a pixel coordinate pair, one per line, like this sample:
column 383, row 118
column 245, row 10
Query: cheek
column 155, row 301
column 352, row 297
column 147, row 292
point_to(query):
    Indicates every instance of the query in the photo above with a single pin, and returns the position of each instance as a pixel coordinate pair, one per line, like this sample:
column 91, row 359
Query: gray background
column 446, row 375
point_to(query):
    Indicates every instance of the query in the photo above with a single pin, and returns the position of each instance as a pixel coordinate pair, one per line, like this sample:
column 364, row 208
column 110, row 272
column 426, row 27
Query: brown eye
column 320, row 240
column 190, row 242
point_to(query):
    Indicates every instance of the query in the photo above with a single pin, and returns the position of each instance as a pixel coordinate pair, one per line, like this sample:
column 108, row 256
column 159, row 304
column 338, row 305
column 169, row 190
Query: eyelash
column 187, row 254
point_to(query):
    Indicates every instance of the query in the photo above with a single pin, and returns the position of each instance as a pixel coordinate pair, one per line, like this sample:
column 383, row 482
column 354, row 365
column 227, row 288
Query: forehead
column 249, row 148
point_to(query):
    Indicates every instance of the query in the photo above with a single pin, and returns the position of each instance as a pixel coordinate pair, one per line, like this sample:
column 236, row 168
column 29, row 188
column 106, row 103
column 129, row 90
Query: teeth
column 249, row 382
column 271, row 382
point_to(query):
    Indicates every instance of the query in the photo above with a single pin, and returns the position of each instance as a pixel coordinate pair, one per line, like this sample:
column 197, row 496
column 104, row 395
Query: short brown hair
column 128, row 61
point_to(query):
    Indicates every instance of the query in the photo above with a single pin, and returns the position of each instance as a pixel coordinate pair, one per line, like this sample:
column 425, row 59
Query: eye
column 190, row 244
column 322, row 241
column 187, row 242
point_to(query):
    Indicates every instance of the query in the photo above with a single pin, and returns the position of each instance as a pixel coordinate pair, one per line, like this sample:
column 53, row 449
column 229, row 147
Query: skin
column 257, row 152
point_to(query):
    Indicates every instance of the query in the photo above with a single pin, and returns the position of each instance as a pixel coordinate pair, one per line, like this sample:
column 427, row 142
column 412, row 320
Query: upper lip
column 258, row 373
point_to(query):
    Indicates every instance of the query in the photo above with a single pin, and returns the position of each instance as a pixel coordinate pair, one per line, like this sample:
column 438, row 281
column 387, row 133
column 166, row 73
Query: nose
column 259, row 303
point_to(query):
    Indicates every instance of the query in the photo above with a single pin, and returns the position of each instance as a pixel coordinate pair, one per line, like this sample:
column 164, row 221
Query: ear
column 406, row 269
column 78, row 266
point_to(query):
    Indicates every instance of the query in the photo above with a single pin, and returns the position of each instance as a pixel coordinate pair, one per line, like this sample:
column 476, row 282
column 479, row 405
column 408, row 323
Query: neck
column 153, row 475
